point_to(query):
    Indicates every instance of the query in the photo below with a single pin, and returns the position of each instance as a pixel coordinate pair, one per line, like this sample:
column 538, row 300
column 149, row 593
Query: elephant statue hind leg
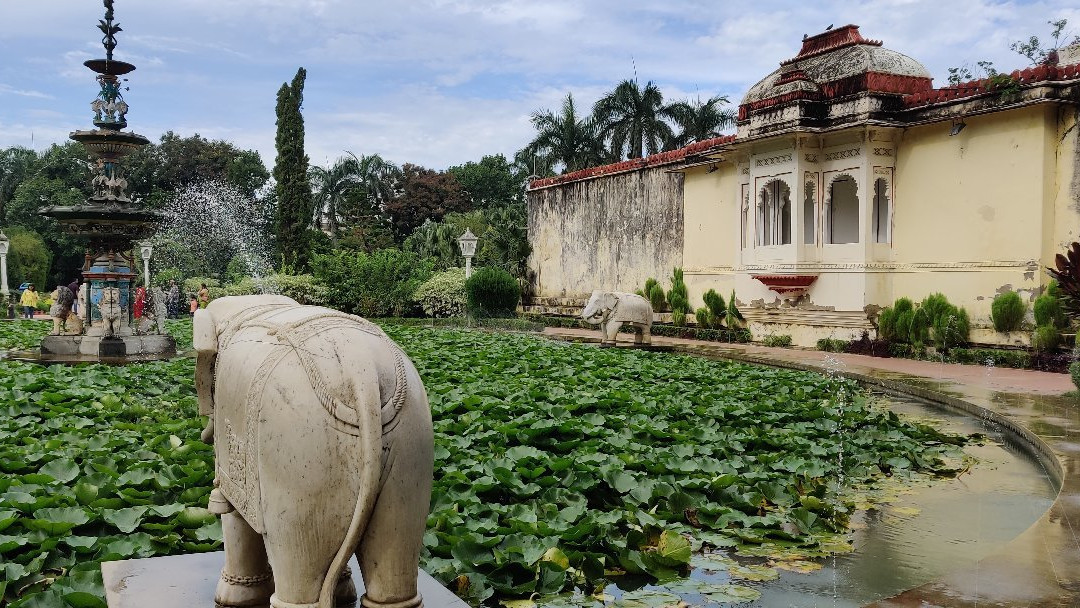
column 642, row 335
column 246, row 580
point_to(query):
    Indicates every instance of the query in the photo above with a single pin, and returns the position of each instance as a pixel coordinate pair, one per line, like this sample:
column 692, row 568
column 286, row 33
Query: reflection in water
column 959, row 522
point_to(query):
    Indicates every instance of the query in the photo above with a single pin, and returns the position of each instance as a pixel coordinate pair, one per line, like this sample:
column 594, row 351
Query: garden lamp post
column 146, row 249
column 467, row 243
column 4, row 243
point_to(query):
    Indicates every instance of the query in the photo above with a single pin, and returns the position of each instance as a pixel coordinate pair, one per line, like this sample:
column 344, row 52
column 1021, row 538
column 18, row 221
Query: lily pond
column 565, row 475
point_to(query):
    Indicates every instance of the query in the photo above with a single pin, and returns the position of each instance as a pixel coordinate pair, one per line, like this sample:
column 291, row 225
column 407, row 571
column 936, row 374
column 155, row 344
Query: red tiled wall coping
column 655, row 160
column 1040, row 73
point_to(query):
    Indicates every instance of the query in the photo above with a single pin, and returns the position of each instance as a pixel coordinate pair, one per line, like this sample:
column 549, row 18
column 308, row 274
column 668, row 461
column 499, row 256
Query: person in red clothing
column 140, row 301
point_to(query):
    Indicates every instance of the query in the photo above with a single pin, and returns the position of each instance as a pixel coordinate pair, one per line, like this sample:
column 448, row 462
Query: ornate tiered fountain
column 110, row 222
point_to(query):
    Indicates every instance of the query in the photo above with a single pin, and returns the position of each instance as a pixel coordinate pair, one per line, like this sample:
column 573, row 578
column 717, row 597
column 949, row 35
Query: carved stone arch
column 774, row 213
column 842, row 209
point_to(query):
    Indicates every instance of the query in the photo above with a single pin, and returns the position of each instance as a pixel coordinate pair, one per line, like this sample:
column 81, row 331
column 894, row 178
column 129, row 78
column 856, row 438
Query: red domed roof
column 836, row 63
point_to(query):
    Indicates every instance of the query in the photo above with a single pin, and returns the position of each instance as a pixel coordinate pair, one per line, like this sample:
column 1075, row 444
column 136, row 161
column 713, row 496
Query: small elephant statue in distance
column 323, row 449
column 610, row 309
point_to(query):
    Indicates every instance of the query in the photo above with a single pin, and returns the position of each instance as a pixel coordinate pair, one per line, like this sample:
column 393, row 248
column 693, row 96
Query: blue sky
column 442, row 82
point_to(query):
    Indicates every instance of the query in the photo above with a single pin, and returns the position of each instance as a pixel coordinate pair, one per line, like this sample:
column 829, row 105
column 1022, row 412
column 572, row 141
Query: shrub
column 832, row 345
column 1048, row 311
column 734, row 318
column 887, row 323
column 865, row 346
column 678, row 298
column 1007, row 311
column 443, row 295
column 903, row 305
column 656, row 298
column 777, row 340
column 244, row 287
column 704, row 317
column 1018, row 359
column 904, row 320
column 303, row 288
column 213, row 286
column 491, row 292
column 918, row 332
column 1074, row 371
column 1045, row 338
column 377, row 284
column 951, row 327
column 717, row 309
column 935, row 305
column 649, row 284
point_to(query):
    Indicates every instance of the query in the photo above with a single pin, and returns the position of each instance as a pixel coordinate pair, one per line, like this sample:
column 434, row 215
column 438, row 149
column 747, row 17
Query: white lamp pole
column 146, row 250
column 4, row 243
column 467, row 243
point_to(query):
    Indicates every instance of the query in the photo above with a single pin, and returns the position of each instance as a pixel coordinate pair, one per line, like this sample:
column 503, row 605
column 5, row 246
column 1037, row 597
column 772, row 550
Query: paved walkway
column 1041, row 567
column 1001, row 379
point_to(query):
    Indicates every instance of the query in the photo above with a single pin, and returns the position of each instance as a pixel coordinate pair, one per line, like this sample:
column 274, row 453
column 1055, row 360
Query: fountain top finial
column 106, row 26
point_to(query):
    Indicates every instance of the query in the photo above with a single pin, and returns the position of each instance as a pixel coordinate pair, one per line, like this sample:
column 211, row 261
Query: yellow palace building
column 851, row 181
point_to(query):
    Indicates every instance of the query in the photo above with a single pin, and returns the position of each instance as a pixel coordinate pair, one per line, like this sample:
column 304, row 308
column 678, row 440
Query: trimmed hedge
column 832, row 345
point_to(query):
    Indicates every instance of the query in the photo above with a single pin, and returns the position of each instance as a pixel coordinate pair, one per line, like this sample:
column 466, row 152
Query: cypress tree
column 294, row 201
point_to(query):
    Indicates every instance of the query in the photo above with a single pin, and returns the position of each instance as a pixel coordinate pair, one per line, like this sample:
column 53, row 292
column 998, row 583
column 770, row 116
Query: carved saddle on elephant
column 318, row 339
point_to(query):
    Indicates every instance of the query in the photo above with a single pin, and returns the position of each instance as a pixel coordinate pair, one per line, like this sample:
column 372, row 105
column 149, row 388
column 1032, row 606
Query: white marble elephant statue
column 611, row 310
column 323, row 449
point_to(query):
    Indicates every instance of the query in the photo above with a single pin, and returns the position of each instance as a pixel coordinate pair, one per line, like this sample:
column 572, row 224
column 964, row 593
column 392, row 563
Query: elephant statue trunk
column 610, row 310
column 323, row 443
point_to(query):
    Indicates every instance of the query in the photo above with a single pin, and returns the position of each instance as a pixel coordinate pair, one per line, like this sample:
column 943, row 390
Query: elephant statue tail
column 369, row 452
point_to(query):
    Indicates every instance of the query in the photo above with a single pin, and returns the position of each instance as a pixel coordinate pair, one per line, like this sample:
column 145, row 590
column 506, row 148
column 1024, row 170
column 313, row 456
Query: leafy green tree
column 353, row 191
column 699, row 120
column 16, row 164
column 29, row 260
column 424, row 194
column 631, row 119
column 158, row 170
column 564, row 140
column 22, row 210
column 295, row 209
column 492, row 182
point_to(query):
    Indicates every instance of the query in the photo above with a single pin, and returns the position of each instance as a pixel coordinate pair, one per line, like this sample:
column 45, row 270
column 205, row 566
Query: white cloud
column 441, row 82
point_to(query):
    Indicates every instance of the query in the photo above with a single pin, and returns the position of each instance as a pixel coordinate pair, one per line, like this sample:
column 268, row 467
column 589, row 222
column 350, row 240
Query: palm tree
column 565, row 139
column 351, row 188
column 697, row 120
column 630, row 119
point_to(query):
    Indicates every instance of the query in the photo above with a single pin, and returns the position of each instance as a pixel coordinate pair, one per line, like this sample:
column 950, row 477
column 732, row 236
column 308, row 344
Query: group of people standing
column 30, row 298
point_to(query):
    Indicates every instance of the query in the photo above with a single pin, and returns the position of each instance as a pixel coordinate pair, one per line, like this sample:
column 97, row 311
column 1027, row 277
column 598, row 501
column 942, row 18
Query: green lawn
column 558, row 466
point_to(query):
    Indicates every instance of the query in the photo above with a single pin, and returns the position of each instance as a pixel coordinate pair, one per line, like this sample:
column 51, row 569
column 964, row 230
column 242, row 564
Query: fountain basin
column 77, row 348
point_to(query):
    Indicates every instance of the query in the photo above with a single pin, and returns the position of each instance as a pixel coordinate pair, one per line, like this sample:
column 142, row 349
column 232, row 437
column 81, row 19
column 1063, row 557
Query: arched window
column 774, row 214
column 809, row 213
column 881, row 211
column 842, row 211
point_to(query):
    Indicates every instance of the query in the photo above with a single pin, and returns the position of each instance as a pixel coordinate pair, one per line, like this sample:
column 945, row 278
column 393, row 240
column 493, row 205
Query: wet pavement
column 1038, row 568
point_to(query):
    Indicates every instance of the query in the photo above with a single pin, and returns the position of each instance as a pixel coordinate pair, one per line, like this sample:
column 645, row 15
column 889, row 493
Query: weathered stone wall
column 609, row 233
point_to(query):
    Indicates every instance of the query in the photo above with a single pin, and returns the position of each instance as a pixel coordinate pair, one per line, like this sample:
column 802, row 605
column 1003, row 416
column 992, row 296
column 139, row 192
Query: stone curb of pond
column 1041, row 566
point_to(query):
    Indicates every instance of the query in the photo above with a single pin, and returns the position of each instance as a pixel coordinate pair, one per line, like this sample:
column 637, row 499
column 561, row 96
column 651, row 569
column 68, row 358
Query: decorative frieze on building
column 770, row 161
column 883, row 152
column 842, row 154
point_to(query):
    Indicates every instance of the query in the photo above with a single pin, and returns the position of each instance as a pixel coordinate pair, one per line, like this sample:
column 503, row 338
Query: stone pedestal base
column 188, row 581
column 144, row 348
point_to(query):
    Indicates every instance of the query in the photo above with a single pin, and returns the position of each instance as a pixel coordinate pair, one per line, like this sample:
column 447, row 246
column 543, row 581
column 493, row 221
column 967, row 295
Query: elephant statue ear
column 204, row 332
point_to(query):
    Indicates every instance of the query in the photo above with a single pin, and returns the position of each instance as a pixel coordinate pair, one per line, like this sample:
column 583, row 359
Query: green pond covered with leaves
column 558, row 467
